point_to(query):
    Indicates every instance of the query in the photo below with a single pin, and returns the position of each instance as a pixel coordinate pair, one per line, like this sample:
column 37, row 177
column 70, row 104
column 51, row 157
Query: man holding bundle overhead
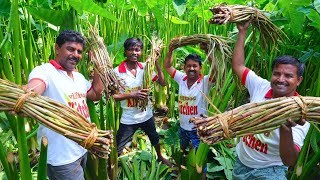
column 191, row 100
column 60, row 81
column 133, row 118
column 267, row 155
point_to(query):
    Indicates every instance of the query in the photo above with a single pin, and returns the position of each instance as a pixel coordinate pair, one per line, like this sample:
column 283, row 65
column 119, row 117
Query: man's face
column 284, row 80
column 133, row 53
column 192, row 69
column 69, row 55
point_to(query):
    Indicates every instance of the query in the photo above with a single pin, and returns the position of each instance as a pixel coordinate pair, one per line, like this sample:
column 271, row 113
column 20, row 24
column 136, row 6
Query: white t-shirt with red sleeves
column 262, row 150
column 191, row 101
column 130, row 112
column 72, row 92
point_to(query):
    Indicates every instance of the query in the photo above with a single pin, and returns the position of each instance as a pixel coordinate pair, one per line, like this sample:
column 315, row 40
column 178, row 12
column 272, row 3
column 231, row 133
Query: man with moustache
column 60, row 81
column 267, row 155
column 190, row 99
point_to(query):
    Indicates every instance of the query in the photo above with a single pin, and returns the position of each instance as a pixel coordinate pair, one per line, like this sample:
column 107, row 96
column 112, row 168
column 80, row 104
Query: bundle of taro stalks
column 218, row 51
column 102, row 62
column 55, row 116
column 269, row 32
column 256, row 118
column 157, row 45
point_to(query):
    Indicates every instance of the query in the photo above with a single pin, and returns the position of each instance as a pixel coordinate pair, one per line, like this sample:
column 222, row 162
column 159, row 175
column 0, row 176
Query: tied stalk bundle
column 218, row 50
column 57, row 117
column 269, row 32
column 157, row 45
column 102, row 62
column 257, row 118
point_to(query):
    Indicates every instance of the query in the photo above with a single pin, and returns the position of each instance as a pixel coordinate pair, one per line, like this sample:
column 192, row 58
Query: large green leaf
column 316, row 4
column 141, row 6
column 55, row 17
column 180, row 6
column 91, row 7
column 315, row 18
column 296, row 18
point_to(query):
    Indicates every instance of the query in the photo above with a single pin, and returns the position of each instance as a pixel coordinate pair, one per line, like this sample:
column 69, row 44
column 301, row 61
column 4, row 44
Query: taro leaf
column 224, row 161
column 315, row 18
column 151, row 4
column 91, row 7
column 5, row 8
column 306, row 55
column 55, row 17
column 214, row 168
column 176, row 20
column 316, row 4
column 297, row 18
column 145, row 156
column 228, row 173
column 180, row 6
column 171, row 137
column 141, row 6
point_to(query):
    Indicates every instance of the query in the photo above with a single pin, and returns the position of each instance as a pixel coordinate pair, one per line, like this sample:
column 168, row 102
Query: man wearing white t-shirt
column 133, row 118
column 191, row 101
column 267, row 155
column 60, row 81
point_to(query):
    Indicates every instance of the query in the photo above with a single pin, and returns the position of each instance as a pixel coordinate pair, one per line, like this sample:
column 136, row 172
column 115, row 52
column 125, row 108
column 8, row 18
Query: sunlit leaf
column 91, row 7
column 177, row 20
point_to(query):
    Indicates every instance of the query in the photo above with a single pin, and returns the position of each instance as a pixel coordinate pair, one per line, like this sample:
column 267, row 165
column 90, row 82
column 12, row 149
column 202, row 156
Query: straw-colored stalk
column 157, row 45
column 256, row 118
column 218, row 51
column 269, row 32
column 102, row 62
column 55, row 116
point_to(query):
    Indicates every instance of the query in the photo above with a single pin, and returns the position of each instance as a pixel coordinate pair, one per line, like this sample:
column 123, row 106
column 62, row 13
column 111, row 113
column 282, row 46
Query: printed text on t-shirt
column 184, row 105
column 255, row 144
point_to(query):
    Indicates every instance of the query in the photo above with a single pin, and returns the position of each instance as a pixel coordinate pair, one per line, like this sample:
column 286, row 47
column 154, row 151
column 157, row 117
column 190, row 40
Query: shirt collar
column 58, row 66
column 270, row 93
column 122, row 67
column 198, row 81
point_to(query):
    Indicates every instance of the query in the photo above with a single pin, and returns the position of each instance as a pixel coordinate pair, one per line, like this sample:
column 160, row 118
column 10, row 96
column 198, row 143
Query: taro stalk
column 4, row 162
column 42, row 165
column 269, row 32
column 157, row 45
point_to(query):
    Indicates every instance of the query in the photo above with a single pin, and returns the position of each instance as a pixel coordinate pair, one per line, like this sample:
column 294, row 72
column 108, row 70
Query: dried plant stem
column 256, row 118
column 57, row 117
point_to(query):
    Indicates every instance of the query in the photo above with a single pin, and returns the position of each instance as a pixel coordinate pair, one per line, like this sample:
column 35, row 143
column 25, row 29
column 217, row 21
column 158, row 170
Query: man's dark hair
column 70, row 36
column 286, row 59
column 194, row 57
column 132, row 42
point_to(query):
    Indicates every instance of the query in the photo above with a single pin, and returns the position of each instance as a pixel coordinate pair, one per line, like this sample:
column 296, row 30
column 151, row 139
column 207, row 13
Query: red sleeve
column 244, row 76
column 174, row 73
